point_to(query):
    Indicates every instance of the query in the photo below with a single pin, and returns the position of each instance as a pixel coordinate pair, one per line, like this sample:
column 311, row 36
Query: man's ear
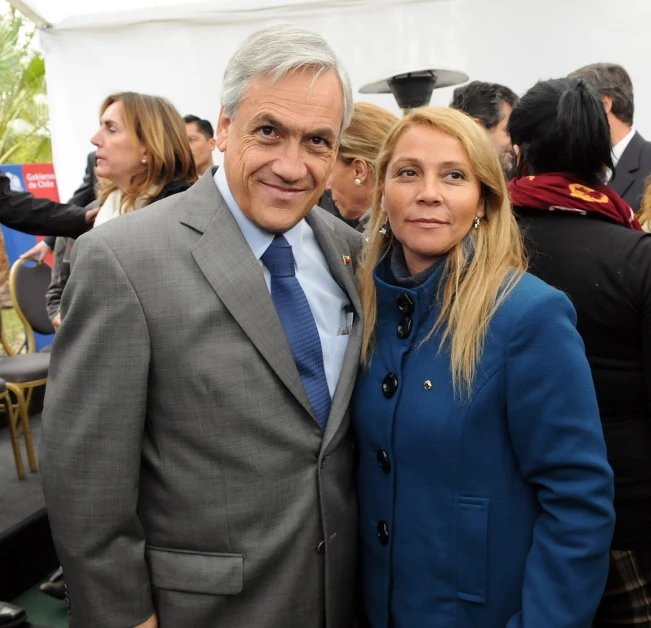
column 223, row 127
column 607, row 100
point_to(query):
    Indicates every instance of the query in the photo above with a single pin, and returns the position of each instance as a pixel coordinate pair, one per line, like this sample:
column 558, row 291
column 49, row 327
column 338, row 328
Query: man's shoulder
column 339, row 226
column 638, row 145
column 149, row 230
column 646, row 150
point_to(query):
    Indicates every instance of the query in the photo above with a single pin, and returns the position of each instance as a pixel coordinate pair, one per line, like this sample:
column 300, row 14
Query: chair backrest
column 4, row 341
column 28, row 283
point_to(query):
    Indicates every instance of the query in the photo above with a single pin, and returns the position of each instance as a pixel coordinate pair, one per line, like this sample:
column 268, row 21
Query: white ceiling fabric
column 74, row 14
column 179, row 49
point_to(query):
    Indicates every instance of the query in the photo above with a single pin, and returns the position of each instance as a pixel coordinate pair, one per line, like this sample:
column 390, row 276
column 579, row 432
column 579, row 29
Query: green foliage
column 24, row 132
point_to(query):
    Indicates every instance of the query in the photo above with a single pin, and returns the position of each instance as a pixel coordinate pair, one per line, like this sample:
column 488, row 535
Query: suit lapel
column 628, row 163
column 225, row 259
column 334, row 249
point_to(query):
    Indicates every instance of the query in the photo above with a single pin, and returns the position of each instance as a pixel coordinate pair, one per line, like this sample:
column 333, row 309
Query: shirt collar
column 620, row 147
column 258, row 238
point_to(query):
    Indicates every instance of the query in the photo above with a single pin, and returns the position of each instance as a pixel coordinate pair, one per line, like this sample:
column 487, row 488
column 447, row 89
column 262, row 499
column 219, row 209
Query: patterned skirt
column 627, row 598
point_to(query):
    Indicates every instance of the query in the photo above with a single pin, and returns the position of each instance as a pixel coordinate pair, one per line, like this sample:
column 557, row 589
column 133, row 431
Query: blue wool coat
column 491, row 511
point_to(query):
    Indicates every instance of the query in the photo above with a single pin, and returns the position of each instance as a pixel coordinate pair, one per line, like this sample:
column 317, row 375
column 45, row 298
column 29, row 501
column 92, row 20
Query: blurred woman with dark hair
column 143, row 155
column 585, row 240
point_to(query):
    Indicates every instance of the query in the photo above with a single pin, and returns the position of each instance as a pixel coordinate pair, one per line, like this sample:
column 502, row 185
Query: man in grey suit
column 197, row 454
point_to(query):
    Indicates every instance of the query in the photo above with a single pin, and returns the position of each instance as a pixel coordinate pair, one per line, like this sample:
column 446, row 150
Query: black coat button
column 320, row 548
column 389, row 385
column 383, row 532
column 404, row 303
column 383, row 461
column 404, row 327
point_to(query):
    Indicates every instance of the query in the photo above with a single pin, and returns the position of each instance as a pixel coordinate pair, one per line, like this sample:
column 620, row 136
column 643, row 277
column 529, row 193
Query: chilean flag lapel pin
column 346, row 259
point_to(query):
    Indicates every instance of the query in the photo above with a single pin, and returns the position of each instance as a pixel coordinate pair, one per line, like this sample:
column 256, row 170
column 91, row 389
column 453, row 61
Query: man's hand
column 56, row 321
column 39, row 251
column 152, row 622
column 90, row 218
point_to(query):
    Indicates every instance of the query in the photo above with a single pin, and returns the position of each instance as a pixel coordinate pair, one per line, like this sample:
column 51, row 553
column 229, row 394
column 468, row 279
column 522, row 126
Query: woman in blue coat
column 484, row 490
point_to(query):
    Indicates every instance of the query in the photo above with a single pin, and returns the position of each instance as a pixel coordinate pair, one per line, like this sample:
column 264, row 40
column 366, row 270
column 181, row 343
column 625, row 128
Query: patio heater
column 413, row 87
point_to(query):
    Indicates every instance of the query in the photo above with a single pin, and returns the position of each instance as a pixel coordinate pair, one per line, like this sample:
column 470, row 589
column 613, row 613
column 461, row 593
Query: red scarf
column 558, row 191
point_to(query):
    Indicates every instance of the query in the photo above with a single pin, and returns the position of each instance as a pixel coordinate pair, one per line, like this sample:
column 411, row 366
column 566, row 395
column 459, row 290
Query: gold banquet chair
column 28, row 283
column 13, row 415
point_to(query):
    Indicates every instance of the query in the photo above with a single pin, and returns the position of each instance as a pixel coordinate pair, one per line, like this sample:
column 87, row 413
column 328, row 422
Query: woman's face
column 117, row 158
column 352, row 200
column 431, row 194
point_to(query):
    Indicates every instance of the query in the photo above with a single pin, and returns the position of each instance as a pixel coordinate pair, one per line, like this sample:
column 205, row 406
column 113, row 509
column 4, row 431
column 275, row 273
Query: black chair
column 28, row 284
column 23, row 373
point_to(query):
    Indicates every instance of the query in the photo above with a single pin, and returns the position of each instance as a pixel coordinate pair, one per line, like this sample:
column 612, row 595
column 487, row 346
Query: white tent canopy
column 76, row 14
column 179, row 49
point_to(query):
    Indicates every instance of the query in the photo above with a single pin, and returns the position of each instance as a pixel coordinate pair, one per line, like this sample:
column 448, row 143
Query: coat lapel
column 225, row 258
column 628, row 164
column 334, row 249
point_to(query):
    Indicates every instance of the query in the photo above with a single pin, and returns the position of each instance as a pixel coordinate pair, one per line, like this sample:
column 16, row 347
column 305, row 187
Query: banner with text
column 39, row 180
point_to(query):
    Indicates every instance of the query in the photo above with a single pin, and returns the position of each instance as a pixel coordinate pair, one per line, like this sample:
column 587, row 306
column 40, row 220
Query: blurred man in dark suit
column 491, row 105
column 631, row 152
column 23, row 212
column 201, row 136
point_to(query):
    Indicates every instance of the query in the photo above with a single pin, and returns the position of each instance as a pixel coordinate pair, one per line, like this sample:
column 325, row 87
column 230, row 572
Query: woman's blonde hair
column 364, row 136
column 154, row 122
column 479, row 274
column 644, row 213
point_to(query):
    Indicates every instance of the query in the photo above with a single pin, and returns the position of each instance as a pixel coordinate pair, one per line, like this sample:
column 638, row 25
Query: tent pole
column 29, row 13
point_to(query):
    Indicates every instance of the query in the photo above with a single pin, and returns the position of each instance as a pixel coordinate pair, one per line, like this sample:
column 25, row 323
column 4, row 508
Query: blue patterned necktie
column 297, row 321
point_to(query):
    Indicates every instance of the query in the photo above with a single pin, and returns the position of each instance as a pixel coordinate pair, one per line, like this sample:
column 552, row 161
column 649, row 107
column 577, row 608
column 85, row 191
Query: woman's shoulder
column 171, row 188
column 532, row 297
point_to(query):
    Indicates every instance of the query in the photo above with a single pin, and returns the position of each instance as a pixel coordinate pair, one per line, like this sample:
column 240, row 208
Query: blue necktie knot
column 279, row 258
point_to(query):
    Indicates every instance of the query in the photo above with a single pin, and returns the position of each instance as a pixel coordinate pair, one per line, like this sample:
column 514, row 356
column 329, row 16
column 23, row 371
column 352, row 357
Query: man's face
column 281, row 145
column 502, row 140
column 201, row 147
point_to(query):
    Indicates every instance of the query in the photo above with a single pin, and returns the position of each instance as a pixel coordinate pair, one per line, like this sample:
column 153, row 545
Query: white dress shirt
column 618, row 151
column 328, row 302
column 622, row 145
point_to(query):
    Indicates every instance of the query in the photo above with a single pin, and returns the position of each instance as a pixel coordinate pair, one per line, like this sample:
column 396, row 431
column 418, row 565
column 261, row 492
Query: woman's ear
column 360, row 168
column 383, row 207
column 482, row 207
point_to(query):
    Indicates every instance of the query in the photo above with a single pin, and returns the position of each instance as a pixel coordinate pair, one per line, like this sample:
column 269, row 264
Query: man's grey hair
column 612, row 80
column 278, row 50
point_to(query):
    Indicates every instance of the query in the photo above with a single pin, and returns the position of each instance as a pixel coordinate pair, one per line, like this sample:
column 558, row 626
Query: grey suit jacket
column 183, row 468
column 632, row 170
